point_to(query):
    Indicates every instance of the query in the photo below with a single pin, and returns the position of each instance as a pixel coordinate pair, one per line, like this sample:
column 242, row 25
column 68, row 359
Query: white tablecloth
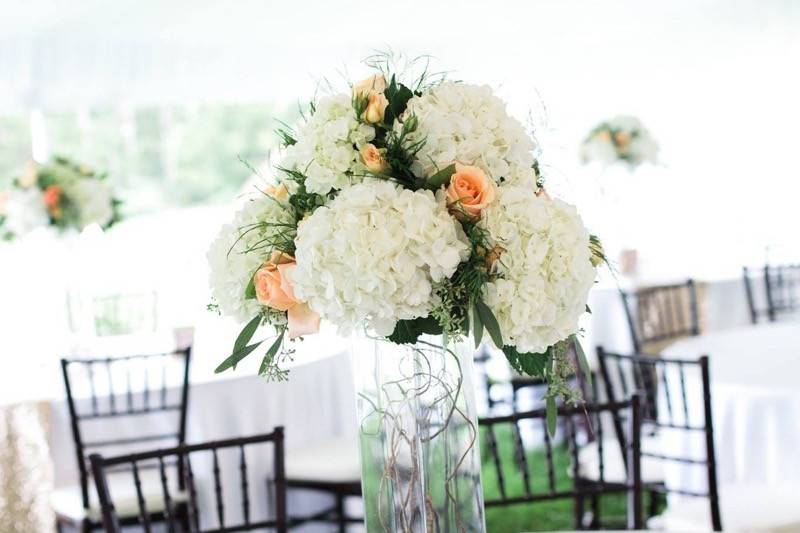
column 755, row 392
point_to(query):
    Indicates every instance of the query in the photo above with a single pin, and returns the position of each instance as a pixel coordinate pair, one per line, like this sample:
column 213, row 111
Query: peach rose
column 470, row 191
column 373, row 158
column 52, row 197
column 542, row 193
column 376, row 107
column 375, row 83
column 279, row 193
column 274, row 289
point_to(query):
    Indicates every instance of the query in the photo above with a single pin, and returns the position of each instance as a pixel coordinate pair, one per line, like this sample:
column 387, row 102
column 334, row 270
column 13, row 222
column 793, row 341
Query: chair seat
column 613, row 465
column 744, row 508
column 67, row 502
column 333, row 461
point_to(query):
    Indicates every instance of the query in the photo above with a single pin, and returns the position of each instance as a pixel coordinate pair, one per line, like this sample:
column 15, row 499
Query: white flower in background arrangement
column 240, row 248
column 469, row 125
column 25, row 211
column 94, row 201
column 545, row 268
column 327, row 148
column 371, row 255
column 622, row 138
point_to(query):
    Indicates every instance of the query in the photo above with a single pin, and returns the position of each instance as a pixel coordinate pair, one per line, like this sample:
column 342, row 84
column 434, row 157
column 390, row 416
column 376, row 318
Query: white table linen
column 755, row 406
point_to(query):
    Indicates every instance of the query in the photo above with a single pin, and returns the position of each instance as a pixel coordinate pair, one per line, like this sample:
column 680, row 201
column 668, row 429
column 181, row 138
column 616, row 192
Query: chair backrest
column 125, row 389
column 679, row 387
column 512, row 463
column 661, row 313
column 183, row 456
column 756, row 312
column 782, row 283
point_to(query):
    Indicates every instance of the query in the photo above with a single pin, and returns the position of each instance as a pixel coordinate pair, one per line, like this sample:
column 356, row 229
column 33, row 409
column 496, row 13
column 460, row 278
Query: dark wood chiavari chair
column 660, row 314
column 782, row 283
column 156, row 397
column 624, row 374
column 182, row 455
column 571, row 419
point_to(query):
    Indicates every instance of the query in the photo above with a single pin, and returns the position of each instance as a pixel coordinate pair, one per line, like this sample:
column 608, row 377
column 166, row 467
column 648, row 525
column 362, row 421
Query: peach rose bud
column 279, row 193
column 376, row 83
column 376, row 107
column 373, row 159
column 470, row 191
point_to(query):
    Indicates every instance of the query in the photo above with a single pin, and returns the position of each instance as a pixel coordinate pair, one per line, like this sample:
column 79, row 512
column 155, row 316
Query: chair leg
column 652, row 508
column 340, row 516
column 579, row 511
column 595, row 512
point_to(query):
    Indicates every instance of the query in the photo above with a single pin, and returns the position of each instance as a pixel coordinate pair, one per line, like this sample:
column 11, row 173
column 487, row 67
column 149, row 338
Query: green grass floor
column 538, row 516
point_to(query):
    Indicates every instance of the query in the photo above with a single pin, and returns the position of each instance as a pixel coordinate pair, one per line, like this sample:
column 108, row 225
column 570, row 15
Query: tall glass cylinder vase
column 418, row 430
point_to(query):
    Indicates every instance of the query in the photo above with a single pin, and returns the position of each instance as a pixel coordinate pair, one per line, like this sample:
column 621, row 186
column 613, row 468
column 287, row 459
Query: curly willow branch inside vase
column 416, row 414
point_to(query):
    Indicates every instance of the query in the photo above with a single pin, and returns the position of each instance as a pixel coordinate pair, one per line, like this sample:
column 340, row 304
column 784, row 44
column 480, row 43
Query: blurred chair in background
column 659, row 315
column 330, row 467
column 783, row 290
column 179, row 506
column 132, row 398
column 512, row 468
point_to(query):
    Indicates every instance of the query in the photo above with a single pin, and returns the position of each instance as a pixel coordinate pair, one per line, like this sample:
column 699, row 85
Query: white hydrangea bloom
column 25, row 211
column 232, row 258
column 94, row 200
column 327, row 146
column 468, row 124
column 371, row 255
column 545, row 269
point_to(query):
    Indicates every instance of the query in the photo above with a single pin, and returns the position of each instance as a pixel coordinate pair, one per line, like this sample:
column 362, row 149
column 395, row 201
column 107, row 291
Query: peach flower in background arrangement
column 373, row 159
column 470, row 191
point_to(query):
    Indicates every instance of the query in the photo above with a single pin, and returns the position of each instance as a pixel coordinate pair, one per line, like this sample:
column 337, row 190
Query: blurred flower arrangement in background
column 62, row 194
column 622, row 138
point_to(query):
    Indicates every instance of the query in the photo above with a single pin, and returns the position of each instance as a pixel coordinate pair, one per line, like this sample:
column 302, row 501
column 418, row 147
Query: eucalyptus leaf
column 236, row 356
column 552, row 415
column 250, row 290
column 270, row 355
column 477, row 326
column 442, row 177
column 246, row 334
column 583, row 362
column 490, row 323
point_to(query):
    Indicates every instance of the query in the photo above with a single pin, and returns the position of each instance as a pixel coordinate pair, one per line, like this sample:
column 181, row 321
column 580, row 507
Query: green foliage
column 246, row 334
column 409, row 331
column 232, row 360
column 398, row 96
column 440, row 178
column 489, row 322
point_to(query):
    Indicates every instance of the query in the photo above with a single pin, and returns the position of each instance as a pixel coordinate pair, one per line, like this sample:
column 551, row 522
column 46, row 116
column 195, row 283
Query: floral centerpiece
column 409, row 213
column 623, row 138
column 61, row 194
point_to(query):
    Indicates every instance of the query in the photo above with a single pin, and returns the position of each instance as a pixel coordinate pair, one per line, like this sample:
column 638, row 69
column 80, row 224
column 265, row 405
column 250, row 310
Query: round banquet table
column 755, row 391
